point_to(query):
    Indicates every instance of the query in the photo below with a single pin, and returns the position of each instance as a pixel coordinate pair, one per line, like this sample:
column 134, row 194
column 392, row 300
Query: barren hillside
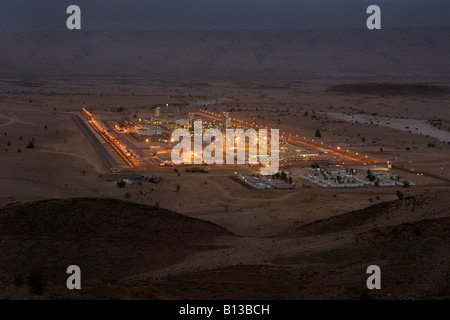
column 305, row 53
column 131, row 251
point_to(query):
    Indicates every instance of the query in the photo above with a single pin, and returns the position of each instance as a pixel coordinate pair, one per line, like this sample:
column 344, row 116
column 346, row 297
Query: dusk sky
column 220, row 14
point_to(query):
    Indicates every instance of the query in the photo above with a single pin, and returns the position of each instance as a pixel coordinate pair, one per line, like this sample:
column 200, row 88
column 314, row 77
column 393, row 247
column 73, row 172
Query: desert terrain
column 205, row 236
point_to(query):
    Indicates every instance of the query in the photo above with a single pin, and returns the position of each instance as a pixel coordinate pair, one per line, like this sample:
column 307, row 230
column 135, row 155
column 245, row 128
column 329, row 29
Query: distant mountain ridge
column 317, row 53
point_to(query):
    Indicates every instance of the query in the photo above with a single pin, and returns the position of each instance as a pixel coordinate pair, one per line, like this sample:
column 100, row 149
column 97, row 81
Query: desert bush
column 36, row 281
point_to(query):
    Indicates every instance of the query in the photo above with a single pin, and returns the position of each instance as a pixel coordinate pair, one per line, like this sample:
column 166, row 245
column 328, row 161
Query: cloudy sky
column 220, row 14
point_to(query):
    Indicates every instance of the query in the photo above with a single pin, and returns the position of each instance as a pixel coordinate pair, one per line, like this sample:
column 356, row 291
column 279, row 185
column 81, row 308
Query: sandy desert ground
column 314, row 239
column 65, row 164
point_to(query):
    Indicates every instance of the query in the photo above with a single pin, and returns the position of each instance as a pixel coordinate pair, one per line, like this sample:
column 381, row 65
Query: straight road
column 95, row 142
column 426, row 174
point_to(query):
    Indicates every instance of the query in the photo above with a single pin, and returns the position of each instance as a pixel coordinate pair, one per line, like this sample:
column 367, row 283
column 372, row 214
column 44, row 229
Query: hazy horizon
column 324, row 53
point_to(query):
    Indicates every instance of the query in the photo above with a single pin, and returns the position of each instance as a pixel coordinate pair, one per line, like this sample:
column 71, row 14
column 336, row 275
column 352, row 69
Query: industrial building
column 226, row 120
column 350, row 178
column 261, row 182
column 150, row 130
